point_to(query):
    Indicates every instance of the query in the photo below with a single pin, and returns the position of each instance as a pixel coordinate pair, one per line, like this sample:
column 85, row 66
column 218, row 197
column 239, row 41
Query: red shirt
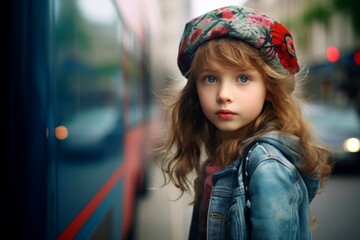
column 204, row 205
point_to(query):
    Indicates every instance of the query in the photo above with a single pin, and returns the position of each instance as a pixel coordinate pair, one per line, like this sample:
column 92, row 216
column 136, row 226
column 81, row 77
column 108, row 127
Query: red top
column 204, row 205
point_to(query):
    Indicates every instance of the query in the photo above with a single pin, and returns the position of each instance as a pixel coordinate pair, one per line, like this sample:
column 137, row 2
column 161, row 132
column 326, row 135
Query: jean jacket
column 280, row 196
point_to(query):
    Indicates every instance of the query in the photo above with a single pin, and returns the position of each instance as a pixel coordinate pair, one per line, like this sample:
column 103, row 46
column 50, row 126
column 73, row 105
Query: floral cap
column 264, row 33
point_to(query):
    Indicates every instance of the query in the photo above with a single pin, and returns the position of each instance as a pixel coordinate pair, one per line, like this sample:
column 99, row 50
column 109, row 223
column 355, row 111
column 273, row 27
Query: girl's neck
column 234, row 135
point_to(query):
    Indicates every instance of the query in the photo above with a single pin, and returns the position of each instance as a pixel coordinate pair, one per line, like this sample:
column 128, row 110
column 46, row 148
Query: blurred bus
column 79, row 112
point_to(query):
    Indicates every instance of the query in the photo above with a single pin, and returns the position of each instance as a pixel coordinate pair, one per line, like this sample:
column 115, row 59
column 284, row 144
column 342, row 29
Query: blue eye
column 243, row 79
column 210, row 79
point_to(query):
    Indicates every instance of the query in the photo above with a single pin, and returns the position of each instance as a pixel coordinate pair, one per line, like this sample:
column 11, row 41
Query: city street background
column 337, row 210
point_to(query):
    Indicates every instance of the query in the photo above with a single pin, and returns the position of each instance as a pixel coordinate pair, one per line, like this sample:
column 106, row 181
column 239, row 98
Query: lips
column 225, row 114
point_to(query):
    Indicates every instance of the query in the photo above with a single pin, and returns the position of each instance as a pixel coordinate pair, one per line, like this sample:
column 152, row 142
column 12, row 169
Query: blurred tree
column 319, row 13
column 352, row 8
column 322, row 13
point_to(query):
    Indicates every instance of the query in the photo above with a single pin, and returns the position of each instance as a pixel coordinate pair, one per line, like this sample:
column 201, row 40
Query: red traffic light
column 357, row 57
column 332, row 54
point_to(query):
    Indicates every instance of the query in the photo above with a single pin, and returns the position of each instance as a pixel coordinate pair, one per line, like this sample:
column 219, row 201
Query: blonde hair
column 190, row 131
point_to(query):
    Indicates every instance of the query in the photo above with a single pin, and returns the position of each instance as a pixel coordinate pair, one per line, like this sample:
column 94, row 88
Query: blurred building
column 327, row 40
column 173, row 15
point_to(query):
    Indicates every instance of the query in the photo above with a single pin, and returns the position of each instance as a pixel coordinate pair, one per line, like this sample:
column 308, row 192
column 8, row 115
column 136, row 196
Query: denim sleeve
column 275, row 199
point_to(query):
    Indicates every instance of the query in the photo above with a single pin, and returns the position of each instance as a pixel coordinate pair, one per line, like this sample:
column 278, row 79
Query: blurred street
column 337, row 210
column 82, row 85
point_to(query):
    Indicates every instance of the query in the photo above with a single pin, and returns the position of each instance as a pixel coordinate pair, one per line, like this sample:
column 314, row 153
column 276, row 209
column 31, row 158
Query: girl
column 263, row 164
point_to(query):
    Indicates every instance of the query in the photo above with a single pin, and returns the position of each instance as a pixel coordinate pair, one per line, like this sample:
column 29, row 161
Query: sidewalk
column 159, row 216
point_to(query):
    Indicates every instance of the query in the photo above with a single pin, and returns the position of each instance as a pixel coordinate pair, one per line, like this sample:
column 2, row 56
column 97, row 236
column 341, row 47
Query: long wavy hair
column 190, row 132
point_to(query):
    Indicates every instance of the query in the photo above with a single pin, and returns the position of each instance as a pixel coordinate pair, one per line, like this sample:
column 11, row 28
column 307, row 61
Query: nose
column 224, row 93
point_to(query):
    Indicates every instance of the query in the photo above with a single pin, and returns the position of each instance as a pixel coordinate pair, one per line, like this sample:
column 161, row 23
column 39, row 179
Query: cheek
column 205, row 101
column 253, row 104
column 203, row 95
column 256, row 109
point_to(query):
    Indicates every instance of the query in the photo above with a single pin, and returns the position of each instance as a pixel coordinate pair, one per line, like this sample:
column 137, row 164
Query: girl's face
column 230, row 98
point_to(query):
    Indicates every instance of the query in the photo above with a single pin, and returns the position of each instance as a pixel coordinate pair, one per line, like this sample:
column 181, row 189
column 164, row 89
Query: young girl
column 263, row 164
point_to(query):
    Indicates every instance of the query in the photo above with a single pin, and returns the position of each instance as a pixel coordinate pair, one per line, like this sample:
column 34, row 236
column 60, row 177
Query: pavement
column 161, row 215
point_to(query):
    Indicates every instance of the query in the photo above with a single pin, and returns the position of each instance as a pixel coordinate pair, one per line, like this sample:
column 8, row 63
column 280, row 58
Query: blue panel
column 77, row 185
column 113, row 203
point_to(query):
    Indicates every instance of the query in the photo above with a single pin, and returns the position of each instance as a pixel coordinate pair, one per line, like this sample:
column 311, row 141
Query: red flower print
column 227, row 15
column 219, row 32
column 259, row 20
column 284, row 47
column 206, row 21
column 290, row 45
column 183, row 45
column 195, row 35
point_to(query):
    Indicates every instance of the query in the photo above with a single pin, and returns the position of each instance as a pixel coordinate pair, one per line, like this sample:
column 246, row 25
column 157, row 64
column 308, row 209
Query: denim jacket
column 280, row 196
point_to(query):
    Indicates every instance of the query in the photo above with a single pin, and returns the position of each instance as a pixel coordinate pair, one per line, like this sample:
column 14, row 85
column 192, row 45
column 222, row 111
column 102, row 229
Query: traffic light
column 357, row 58
column 332, row 54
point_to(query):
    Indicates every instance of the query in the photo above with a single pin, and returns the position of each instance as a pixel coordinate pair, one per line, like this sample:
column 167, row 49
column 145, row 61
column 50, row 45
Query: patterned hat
column 271, row 38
